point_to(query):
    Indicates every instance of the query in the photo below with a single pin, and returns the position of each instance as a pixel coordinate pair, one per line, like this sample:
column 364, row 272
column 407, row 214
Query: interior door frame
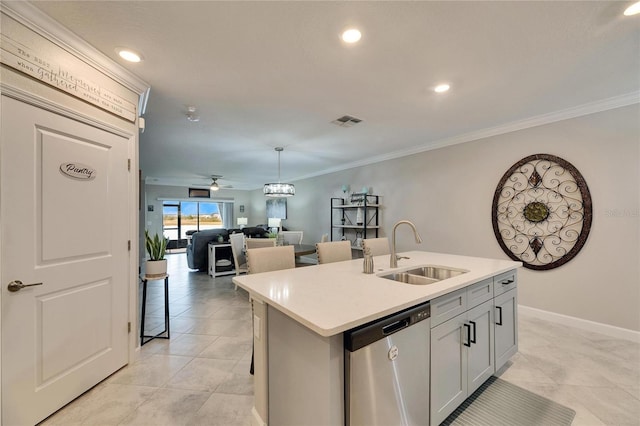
column 22, row 88
column 132, row 197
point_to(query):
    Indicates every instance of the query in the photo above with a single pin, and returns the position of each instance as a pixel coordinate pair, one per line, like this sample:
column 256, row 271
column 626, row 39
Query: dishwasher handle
column 383, row 328
column 398, row 325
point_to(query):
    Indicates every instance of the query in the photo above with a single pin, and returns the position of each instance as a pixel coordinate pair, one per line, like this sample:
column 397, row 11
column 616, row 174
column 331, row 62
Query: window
column 171, row 219
column 178, row 217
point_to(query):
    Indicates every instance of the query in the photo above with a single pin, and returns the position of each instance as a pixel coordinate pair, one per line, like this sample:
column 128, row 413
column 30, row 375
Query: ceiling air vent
column 346, row 121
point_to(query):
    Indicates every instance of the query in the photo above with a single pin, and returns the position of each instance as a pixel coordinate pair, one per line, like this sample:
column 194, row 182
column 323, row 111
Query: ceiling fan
column 211, row 182
column 214, row 183
column 215, row 186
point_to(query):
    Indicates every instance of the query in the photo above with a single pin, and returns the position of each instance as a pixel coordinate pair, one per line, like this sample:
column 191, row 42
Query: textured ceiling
column 267, row 74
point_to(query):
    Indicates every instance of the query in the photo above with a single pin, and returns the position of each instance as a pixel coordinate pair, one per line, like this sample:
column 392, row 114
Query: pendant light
column 279, row 189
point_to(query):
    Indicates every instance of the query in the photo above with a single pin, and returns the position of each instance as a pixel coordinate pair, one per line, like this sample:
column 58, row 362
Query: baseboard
column 597, row 327
column 256, row 420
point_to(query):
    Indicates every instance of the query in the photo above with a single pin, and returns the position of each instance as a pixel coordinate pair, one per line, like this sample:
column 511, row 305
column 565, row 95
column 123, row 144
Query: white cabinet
column 506, row 326
column 462, row 348
column 448, row 368
column 461, row 358
column 452, row 304
column 480, row 353
column 474, row 332
column 504, row 282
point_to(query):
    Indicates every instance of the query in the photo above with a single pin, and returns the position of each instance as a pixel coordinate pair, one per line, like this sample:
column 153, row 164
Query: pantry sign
column 78, row 171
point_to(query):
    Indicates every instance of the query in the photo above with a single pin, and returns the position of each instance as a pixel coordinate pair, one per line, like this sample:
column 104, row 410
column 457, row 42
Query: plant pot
column 156, row 268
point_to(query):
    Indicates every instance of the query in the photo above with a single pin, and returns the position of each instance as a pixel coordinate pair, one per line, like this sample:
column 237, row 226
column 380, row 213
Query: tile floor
column 201, row 375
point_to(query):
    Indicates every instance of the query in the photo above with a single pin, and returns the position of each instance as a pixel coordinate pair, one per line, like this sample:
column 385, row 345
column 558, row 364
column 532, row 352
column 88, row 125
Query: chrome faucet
column 393, row 261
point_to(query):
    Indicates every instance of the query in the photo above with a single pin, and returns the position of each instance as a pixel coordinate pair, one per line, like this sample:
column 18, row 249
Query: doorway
column 172, row 225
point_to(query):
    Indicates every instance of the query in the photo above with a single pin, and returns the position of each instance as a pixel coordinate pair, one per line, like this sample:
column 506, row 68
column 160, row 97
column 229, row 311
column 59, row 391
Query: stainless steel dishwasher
column 387, row 370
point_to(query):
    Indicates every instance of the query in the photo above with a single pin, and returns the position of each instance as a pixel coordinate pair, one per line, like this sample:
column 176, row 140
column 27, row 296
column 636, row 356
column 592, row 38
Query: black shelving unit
column 344, row 215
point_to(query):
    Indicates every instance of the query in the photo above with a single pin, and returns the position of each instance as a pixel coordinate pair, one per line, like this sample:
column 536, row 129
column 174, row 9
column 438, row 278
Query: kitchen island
column 300, row 316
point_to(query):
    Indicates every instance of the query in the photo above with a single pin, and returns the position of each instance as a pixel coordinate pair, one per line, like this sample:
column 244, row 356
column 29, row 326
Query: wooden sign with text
column 39, row 66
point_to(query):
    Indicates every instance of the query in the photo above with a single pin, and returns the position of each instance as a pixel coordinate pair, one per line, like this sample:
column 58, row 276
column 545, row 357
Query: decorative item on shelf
column 279, row 189
column 359, row 216
column 365, row 190
column 357, row 198
column 220, row 239
column 345, row 189
column 223, row 263
column 156, row 266
column 242, row 222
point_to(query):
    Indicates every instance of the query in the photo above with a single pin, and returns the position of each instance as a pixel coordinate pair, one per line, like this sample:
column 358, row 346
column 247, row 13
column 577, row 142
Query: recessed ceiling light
column 634, row 9
column 128, row 55
column 351, row 36
column 441, row 88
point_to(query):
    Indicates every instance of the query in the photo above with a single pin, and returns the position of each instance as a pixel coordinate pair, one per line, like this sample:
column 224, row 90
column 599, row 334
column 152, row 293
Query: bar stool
column 143, row 336
column 333, row 251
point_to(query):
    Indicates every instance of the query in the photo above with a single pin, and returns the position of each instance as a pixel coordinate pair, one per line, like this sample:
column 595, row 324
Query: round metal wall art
column 542, row 212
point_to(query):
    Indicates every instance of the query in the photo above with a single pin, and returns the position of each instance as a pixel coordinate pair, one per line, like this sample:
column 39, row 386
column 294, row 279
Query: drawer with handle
column 504, row 282
column 450, row 305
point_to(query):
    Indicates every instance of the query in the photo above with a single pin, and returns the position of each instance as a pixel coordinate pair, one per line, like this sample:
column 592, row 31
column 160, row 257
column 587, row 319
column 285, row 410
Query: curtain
column 226, row 210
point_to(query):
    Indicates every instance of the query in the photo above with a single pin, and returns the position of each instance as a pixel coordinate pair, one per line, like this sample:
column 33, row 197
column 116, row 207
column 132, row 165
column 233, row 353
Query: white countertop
column 332, row 298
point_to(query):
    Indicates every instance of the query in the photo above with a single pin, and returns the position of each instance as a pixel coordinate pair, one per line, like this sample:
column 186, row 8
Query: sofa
column 198, row 247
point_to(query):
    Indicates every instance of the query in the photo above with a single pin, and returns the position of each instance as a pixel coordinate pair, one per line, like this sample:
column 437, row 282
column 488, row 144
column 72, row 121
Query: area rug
column 498, row 403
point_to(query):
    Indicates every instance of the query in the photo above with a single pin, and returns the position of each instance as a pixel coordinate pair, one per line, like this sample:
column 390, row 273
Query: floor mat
column 498, row 403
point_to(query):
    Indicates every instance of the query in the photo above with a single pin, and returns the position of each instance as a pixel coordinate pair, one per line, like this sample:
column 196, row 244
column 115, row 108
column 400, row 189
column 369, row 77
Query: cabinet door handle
column 474, row 332
column 468, row 327
column 499, row 308
column 506, row 282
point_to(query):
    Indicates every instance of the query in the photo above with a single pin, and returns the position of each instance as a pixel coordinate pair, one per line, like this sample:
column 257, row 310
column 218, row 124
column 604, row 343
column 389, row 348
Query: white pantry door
column 63, row 209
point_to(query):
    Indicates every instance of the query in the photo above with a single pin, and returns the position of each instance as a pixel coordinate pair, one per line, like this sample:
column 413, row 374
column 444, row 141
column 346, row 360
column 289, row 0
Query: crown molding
column 42, row 24
column 46, row 104
column 539, row 120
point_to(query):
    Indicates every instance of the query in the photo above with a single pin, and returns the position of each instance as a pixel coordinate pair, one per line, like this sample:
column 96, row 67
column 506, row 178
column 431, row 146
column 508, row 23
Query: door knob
column 17, row 285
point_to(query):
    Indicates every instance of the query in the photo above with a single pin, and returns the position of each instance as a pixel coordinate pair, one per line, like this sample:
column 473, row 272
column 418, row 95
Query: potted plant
column 156, row 247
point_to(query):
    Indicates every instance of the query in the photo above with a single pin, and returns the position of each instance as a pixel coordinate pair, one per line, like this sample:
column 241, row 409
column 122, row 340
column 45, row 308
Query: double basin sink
column 424, row 275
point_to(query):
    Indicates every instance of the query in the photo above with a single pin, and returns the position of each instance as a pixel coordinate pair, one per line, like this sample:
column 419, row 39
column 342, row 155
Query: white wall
column 448, row 194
